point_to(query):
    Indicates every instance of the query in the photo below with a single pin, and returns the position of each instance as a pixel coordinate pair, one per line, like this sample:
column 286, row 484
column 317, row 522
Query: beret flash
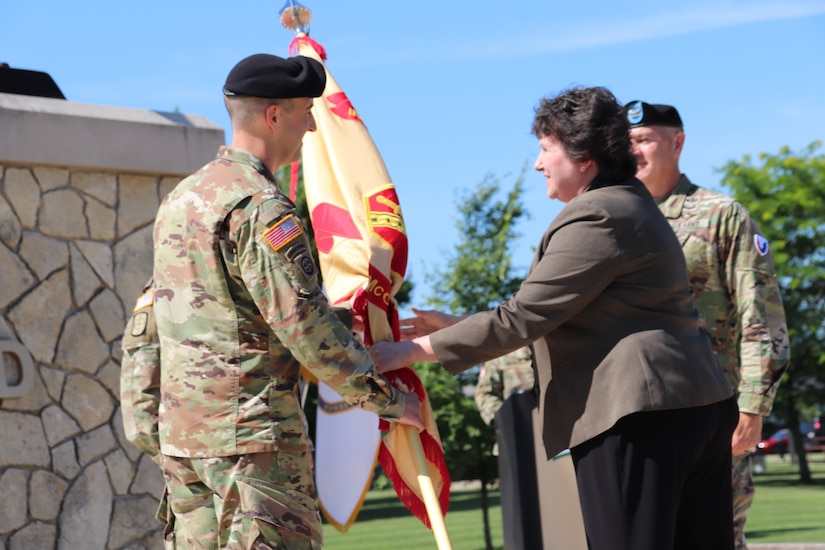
column 640, row 113
column 270, row 76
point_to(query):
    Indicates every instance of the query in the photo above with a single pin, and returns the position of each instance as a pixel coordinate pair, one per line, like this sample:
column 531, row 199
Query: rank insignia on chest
column 282, row 233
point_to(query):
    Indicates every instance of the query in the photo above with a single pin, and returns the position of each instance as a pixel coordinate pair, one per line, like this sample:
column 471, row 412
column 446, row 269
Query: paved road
column 786, row 546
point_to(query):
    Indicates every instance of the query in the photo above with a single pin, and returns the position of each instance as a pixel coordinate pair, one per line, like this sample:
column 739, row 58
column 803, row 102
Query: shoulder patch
column 282, row 233
column 145, row 300
column 307, row 264
column 761, row 244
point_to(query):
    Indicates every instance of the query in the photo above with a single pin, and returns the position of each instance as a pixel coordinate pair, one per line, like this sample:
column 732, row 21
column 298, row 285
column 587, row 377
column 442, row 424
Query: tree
column 480, row 274
column 785, row 194
column 477, row 276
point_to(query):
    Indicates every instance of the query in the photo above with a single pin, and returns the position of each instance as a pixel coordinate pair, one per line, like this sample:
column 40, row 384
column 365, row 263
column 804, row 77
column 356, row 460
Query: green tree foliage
column 785, row 193
column 466, row 444
column 480, row 274
column 477, row 276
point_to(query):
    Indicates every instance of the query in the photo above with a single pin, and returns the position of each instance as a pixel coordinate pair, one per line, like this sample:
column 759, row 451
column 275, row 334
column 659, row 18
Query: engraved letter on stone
column 25, row 366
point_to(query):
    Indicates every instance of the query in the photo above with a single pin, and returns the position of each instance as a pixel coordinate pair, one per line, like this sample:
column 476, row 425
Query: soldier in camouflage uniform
column 500, row 378
column 732, row 276
column 239, row 310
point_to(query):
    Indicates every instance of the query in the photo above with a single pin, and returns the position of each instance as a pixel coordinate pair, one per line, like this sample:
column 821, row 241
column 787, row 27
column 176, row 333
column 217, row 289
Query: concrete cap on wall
column 39, row 130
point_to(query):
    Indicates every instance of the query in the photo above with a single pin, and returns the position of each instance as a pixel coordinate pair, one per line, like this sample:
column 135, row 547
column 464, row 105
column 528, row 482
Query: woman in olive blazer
column 626, row 377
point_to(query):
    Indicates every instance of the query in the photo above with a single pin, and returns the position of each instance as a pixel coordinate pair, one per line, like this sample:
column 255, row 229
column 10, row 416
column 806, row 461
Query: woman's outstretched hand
column 425, row 322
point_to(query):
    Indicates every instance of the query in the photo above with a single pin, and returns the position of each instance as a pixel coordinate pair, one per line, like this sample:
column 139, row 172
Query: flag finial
column 296, row 17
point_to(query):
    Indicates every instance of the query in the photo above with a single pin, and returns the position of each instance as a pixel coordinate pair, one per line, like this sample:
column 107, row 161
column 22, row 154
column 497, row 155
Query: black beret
column 640, row 113
column 270, row 76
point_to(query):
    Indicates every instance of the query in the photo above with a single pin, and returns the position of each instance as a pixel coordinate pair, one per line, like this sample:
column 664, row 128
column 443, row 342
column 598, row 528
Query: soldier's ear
column 678, row 143
column 272, row 113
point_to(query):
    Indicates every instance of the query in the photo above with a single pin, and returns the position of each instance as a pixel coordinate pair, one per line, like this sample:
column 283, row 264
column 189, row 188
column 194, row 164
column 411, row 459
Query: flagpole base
column 425, row 482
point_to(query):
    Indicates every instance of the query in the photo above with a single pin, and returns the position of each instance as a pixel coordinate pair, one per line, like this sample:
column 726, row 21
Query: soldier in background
column 239, row 310
column 732, row 277
column 499, row 379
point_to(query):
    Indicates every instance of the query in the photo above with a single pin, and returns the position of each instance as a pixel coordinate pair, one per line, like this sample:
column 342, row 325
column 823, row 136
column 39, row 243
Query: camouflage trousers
column 742, row 478
column 258, row 501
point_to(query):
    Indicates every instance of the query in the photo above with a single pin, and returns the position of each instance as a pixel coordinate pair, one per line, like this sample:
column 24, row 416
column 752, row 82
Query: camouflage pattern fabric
column 733, row 278
column 500, row 378
column 255, row 501
column 743, row 493
column 239, row 310
column 734, row 281
column 140, row 376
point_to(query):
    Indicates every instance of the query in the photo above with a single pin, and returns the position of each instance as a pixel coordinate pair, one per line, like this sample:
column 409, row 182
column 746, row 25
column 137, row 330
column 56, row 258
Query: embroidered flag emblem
column 761, row 244
column 146, row 299
column 342, row 106
column 282, row 233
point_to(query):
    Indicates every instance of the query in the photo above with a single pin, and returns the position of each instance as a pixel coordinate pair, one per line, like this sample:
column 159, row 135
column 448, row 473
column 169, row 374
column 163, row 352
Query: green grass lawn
column 384, row 524
column 783, row 511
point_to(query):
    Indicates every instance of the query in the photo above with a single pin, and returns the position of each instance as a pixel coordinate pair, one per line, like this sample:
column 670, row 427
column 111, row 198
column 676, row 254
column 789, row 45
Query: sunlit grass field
column 783, row 511
column 384, row 524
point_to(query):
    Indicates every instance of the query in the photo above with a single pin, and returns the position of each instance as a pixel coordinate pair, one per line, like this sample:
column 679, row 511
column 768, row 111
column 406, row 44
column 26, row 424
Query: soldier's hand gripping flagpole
column 362, row 250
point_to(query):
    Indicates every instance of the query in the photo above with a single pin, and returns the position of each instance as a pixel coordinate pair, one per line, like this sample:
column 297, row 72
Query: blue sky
column 448, row 89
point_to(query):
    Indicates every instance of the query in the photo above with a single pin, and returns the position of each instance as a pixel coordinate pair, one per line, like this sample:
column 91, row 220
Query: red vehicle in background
column 812, row 433
column 777, row 443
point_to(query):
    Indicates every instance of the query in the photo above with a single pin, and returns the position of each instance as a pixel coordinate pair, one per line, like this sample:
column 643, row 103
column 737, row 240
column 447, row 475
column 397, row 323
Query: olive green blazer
column 607, row 309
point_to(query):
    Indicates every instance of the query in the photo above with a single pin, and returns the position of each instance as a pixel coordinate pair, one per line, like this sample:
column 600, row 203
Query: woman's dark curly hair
column 590, row 124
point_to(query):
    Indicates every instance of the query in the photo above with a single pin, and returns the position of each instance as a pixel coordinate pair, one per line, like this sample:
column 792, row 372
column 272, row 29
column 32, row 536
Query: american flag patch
column 282, row 233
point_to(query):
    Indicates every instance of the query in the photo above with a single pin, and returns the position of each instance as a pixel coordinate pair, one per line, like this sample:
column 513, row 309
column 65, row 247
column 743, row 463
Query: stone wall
column 75, row 250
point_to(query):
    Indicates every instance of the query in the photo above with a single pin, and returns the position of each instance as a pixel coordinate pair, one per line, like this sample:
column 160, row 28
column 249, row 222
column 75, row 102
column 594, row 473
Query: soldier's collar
column 234, row 154
column 671, row 206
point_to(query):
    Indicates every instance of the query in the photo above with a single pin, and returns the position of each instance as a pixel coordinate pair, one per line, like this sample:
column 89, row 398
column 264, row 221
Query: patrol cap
column 270, row 76
column 640, row 113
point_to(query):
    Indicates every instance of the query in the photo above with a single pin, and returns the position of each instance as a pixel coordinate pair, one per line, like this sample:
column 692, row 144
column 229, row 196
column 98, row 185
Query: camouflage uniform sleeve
column 489, row 394
column 140, row 376
column 344, row 314
column 764, row 348
column 281, row 276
